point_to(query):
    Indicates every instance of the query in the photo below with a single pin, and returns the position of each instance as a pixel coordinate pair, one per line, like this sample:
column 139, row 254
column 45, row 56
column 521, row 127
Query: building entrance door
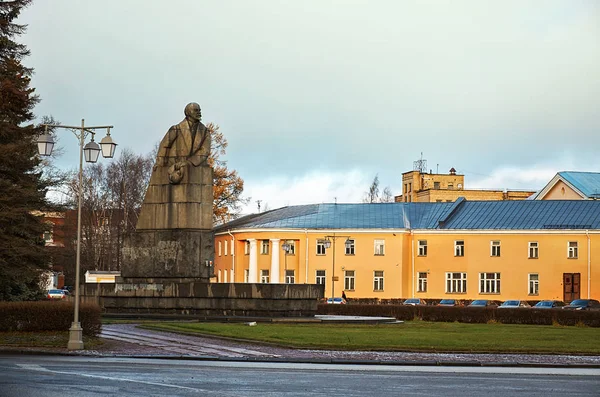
column 571, row 286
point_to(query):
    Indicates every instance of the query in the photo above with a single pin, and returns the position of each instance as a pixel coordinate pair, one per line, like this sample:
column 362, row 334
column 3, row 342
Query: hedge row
column 467, row 314
column 48, row 316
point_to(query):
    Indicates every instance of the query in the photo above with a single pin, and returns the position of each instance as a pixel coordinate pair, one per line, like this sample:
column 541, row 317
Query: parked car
column 482, row 303
column 336, row 301
column 549, row 304
column 414, row 302
column 56, row 294
column 449, row 302
column 583, row 304
column 511, row 304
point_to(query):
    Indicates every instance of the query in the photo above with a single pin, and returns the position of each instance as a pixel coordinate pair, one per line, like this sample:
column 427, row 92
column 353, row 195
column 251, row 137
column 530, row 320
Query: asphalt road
column 66, row 376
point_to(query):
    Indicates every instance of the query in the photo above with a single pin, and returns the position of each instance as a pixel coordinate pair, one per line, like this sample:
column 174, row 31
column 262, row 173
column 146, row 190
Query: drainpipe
column 412, row 246
column 306, row 252
column 232, row 255
column 589, row 278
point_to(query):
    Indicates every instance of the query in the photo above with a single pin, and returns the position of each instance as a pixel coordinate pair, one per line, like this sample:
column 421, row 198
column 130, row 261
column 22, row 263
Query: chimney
column 452, row 171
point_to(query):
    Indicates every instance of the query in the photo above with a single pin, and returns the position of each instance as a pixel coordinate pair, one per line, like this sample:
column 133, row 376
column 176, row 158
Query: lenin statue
column 173, row 237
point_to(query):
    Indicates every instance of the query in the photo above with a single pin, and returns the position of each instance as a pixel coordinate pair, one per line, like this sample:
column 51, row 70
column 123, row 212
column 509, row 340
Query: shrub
column 480, row 315
column 48, row 316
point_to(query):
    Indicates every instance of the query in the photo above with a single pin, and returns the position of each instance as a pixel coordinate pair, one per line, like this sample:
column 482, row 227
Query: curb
column 291, row 360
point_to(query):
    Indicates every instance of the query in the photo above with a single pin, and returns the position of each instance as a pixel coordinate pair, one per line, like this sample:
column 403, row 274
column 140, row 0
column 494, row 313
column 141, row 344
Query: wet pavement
column 128, row 340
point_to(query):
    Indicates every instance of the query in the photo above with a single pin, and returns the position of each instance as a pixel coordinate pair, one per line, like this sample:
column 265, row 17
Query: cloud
column 313, row 187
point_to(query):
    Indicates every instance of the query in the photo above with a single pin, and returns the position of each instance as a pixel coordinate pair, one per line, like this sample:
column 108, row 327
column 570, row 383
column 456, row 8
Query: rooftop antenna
column 420, row 165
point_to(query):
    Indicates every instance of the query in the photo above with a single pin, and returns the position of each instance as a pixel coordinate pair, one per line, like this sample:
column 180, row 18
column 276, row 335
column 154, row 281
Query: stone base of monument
column 204, row 299
column 168, row 255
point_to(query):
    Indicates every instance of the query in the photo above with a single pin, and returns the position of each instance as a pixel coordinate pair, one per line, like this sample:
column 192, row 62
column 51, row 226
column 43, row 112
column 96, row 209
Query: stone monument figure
column 173, row 237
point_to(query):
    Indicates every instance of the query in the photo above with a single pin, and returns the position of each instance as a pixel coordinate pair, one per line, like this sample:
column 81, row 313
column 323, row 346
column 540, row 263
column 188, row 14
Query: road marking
column 35, row 367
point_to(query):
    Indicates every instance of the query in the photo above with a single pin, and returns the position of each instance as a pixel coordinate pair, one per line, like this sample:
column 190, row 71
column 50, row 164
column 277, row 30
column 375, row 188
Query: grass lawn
column 409, row 336
column 53, row 339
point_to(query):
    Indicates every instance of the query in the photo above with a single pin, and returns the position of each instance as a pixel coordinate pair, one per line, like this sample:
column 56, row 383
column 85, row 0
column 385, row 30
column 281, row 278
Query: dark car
column 583, row 304
column 549, row 304
column 449, row 302
column 512, row 304
column 482, row 303
column 414, row 302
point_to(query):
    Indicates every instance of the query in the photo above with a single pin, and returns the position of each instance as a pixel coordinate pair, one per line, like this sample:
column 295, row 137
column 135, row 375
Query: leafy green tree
column 23, row 190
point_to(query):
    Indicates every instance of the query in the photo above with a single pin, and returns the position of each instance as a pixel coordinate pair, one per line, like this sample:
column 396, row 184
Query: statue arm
column 166, row 144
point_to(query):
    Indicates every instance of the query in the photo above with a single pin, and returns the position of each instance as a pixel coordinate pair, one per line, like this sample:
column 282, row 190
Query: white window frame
column 264, row 247
column 219, row 276
column 573, row 250
column 349, row 280
column 495, row 248
column 290, row 276
column 422, row 244
column 378, row 280
column 489, row 283
column 379, row 247
column 456, row 283
column 533, row 250
column 320, row 278
column 292, row 245
column 422, row 282
column 226, row 244
column 264, row 276
column 219, row 245
column 459, row 248
column 352, row 248
column 321, row 247
column 533, row 283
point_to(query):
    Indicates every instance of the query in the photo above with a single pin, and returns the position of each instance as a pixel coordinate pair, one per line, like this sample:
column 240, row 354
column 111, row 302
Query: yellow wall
column 397, row 263
column 561, row 191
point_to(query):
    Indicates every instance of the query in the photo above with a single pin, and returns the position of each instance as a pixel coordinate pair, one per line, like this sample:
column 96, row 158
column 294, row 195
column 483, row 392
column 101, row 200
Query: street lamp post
column 327, row 244
column 91, row 151
column 285, row 247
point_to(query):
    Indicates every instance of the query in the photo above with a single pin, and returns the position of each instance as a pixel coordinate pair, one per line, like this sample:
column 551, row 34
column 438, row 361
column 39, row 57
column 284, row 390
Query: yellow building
column 495, row 250
column 571, row 185
column 431, row 188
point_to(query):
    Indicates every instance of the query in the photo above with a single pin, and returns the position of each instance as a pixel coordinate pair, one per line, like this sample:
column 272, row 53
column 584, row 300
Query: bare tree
column 372, row 195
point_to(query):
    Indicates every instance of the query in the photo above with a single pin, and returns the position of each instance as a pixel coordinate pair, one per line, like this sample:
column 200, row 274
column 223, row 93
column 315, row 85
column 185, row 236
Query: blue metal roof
column 462, row 214
column 587, row 183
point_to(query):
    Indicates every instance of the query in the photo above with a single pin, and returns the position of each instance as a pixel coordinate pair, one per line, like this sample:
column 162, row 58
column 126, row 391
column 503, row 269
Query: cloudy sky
column 316, row 97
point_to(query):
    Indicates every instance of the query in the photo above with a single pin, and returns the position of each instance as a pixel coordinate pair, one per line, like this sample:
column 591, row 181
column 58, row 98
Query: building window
column 422, row 282
column 226, row 243
column 246, row 275
column 456, row 283
column 573, row 250
column 438, row 200
column 292, row 244
column 378, row 280
column 264, row 276
column 495, row 248
column 289, row 277
column 246, row 247
column 436, row 186
column 320, row 277
column 219, row 248
column 320, row 247
column 350, row 247
column 379, row 247
column 349, row 280
column 48, row 234
column 231, row 278
column 225, row 276
column 450, row 186
column 533, row 250
column 459, row 248
column 489, row 283
column 264, row 247
column 422, row 247
column 219, row 276
column 534, row 284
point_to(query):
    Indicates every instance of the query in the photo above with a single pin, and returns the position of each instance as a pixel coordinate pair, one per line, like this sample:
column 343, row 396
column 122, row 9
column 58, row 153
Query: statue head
column 192, row 111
